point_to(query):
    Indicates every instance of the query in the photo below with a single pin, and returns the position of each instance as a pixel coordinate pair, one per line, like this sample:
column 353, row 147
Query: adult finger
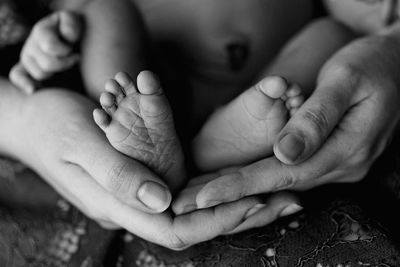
column 174, row 233
column 130, row 182
column 345, row 157
column 185, row 230
column 277, row 205
column 311, row 125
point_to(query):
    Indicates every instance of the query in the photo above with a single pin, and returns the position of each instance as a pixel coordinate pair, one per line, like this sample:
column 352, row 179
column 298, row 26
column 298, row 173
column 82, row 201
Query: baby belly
column 225, row 41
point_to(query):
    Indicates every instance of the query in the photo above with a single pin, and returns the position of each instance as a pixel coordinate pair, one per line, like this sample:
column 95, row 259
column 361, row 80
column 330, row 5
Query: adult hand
column 58, row 138
column 334, row 137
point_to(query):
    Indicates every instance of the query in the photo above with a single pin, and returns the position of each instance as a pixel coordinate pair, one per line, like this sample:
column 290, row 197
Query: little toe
column 101, row 118
column 107, row 101
column 294, row 90
column 273, row 86
column 148, row 83
column 126, row 82
column 295, row 102
column 114, row 88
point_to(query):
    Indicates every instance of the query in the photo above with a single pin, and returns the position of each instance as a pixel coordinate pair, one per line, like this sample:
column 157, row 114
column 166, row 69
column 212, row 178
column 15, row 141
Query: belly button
column 237, row 55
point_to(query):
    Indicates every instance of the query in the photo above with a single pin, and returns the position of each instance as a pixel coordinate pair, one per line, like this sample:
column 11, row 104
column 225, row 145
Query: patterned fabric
column 349, row 226
column 38, row 228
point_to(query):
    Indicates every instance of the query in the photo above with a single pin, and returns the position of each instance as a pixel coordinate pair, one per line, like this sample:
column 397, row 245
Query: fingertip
column 289, row 148
column 207, row 197
column 154, row 196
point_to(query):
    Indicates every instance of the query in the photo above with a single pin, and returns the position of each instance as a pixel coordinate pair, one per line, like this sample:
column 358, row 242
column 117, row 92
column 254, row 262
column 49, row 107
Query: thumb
column 70, row 26
column 311, row 125
column 126, row 179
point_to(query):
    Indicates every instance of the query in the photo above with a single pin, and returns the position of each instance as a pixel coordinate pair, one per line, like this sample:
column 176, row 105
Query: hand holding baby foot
column 334, row 137
column 245, row 129
column 138, row 122
column 241, row 132
column 49, row 49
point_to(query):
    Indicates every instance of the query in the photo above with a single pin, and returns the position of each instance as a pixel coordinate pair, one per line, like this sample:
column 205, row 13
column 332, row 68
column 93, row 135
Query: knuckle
column 288, row 178
column 343, row 71
column 117, row 180
column 318, row 121
column 359, row 155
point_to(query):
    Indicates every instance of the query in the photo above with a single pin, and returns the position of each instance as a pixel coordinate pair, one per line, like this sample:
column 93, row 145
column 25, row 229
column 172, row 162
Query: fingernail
column 154, row 196
column 254, row 210
column 291, row 209
column 291, row 146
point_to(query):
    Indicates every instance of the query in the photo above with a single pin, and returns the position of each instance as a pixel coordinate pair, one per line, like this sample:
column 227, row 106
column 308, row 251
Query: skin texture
column 53, row 132
column 343, row 127
column 42, row 130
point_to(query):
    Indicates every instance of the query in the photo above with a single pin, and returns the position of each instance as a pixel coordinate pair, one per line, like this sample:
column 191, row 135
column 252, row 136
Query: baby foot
column 245, row 129
column 138, row 122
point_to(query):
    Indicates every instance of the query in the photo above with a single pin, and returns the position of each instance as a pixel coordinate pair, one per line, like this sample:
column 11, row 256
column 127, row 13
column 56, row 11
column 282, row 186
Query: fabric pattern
column 347, row 226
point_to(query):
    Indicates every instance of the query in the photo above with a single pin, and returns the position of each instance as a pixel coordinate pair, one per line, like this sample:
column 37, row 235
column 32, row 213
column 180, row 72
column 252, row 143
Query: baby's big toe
column 148, row 83
column 273, row 86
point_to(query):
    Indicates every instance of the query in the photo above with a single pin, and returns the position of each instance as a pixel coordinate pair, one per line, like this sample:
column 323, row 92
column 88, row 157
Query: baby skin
column 245, row 129
column 138, row 122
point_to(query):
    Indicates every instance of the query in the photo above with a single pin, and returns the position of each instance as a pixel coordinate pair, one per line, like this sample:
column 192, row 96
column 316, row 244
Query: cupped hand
column 61, row 142
column 334, row 137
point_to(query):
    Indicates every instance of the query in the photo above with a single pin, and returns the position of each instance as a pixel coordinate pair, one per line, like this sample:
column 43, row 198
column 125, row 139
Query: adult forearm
column 11, row 115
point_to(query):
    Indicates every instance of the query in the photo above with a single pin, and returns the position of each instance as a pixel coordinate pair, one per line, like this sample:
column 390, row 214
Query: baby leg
column 138, row 122
column 245, row 129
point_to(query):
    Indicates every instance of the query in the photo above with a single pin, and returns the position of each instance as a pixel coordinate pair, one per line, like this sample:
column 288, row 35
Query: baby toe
column 107, row 101
column 101, row 118
column 295, row 102
column 273, row 86
column 148, row 83
column 294, row 90
column 113, row 87
column 126, row 82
